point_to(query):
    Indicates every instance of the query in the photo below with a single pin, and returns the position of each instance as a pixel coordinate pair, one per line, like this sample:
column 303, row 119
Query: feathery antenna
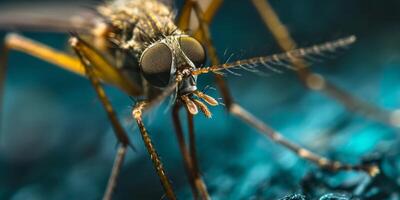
column 282, row 59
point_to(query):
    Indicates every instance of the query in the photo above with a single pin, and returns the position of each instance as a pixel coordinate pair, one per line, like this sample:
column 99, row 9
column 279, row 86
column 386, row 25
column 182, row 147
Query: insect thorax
column 139, row 23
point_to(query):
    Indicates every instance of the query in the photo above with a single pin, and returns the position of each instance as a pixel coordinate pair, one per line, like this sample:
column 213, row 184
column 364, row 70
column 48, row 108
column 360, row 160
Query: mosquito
column 142, row 48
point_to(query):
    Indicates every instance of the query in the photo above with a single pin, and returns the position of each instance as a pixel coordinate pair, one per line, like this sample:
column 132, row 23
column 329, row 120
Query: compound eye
column 156, row 62
column 193, row 50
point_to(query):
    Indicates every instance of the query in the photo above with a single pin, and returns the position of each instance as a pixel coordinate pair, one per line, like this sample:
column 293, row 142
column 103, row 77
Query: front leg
column 137, row 115
column 92, row 60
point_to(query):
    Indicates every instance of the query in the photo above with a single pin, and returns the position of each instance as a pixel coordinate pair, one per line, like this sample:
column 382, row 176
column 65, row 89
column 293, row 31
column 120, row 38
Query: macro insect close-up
column 207, row 99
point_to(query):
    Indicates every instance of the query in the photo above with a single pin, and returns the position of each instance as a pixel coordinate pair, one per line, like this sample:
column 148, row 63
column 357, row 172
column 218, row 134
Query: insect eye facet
column 193, row 50
column 156, row 64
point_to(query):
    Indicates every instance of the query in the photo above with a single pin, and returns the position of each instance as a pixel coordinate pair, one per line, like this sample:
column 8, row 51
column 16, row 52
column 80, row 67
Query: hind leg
column 317, row 82
column 241, row 113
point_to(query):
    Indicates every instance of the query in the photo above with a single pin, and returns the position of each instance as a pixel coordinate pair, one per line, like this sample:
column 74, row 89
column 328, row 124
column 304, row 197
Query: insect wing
column 49, row 17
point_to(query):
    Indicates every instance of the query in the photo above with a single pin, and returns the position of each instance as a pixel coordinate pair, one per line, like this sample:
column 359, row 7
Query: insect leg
column 89, row 64
column 137, row 115
column 112, row 181
column 275, row 136
column 193, row 154
column 13, row 41
column 182, row 146
column 183, row 23
column 118, row 129
column 184, row 15
column 315, row 81
column 254, row 122
column 208, row 15
column 190, row 157
column 70, row 63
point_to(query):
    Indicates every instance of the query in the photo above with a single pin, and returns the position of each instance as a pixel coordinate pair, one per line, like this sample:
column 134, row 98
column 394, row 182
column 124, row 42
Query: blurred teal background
column 56, row 142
